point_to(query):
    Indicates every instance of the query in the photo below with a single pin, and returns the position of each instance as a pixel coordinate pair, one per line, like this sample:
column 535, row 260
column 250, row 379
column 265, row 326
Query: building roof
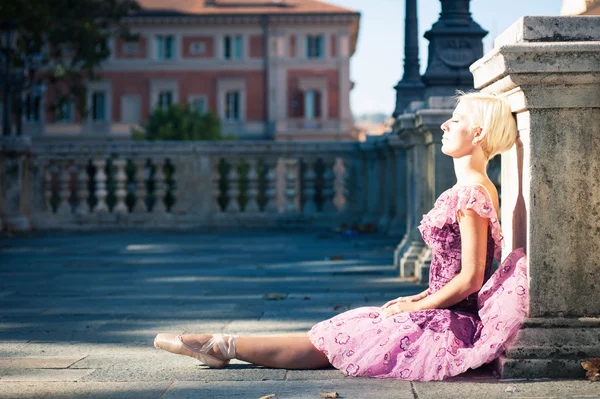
column 245, row 7
column 157, row 10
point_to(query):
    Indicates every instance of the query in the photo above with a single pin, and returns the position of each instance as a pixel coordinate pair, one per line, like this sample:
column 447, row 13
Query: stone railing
column 90, row 185
column 186, row 185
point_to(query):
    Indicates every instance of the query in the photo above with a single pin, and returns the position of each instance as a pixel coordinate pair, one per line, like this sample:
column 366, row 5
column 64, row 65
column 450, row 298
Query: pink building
column 269, row 69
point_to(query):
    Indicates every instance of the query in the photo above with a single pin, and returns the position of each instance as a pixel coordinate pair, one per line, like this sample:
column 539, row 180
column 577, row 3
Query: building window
column 130, row 109
column 32, row 105
column 197, row 48
column 315, row 46
column 99, row 106
column 232, row 106
column 312, row 104
column 65, row 113
column 199, row 104
column 165, row 99
column 232, row 47
column 131, row 48
column 165, row 48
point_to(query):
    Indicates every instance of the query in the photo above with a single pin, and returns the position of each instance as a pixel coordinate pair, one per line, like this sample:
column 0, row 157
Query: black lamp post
column 8, row 44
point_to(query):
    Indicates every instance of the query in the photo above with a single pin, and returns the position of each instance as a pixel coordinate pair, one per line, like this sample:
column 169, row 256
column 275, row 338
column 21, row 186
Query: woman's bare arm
column 473, row 234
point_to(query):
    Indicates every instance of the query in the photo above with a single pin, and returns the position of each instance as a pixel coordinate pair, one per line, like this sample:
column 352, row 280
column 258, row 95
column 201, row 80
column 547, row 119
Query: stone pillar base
column 551, row 348
column 410, row 259
column 423, row 265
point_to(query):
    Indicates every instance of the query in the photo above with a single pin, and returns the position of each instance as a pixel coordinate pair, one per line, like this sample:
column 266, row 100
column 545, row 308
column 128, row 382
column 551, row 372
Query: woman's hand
column 400, row 307
column 411, row 298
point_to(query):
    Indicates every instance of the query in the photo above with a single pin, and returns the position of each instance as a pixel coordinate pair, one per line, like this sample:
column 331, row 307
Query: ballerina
column 463, row 320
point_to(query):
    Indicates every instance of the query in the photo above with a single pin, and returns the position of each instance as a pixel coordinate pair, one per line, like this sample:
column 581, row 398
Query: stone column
column 440, row 175
column 399, row 195
column 406, row 254
column 549, row 69
column 440, row 168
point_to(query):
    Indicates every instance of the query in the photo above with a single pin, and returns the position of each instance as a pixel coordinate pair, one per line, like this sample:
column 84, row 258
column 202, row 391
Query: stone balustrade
column 199, row 184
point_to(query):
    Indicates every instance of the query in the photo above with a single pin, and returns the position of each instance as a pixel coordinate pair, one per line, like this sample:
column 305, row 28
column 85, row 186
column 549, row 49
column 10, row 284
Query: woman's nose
column 444, row 125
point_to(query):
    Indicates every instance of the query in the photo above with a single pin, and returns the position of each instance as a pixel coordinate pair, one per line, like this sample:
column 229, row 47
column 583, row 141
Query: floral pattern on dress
column 437, row 343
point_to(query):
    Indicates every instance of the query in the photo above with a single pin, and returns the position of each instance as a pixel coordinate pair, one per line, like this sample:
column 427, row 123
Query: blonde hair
column 492, row 114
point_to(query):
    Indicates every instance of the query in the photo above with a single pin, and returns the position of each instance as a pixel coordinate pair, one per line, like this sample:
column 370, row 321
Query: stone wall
column 549, row 70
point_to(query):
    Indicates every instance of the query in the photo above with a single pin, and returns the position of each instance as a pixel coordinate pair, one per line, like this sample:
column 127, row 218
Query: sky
column 377, row 64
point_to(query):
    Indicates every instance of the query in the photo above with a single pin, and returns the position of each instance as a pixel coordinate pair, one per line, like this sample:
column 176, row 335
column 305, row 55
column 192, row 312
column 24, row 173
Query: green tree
column 180, row 123
column 63, row 42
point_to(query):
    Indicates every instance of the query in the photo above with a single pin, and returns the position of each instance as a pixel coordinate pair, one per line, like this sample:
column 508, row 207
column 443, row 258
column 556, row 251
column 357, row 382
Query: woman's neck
column 469, row 169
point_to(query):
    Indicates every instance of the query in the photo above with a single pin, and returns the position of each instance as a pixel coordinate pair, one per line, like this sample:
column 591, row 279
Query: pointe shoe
column 174, row 343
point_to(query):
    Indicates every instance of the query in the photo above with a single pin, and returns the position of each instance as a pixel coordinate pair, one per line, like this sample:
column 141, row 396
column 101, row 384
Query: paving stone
column 184, row 369
column 507, row 389
column 83, row 390
column 347, row 388
column 314, row 375
column 42, row 374
column 37, row 362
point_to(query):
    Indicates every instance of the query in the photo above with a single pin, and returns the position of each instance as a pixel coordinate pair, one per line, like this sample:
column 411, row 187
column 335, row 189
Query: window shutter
column 238, row 47
column 169, row 48
column 159, row 48
column 317, row 104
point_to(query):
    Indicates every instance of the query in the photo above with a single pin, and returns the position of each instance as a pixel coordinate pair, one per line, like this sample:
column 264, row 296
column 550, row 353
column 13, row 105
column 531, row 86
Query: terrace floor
column 78, row 314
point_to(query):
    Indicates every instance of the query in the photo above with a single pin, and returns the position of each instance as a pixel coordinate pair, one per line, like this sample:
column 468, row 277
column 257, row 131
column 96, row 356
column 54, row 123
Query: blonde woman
column 461, row 321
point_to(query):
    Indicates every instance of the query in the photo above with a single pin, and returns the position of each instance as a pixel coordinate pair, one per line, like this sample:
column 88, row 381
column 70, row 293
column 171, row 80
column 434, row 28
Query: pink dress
column 438, row 343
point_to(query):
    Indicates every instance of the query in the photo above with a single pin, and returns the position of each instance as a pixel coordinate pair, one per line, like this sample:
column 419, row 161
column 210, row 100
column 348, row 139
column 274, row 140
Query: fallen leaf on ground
column 336, row 258
column 274, row 296
column 268, row 396
column 339, row 307
column 592, row 367
column 327, row 395
column 512, row 389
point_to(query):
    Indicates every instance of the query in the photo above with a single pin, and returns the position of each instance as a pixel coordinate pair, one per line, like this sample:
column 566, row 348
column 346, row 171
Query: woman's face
column 457, row 140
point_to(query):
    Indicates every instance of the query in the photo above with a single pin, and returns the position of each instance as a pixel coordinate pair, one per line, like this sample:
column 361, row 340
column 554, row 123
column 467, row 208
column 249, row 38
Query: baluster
column 328, row 186
column 233, row 178
column 309, row 184
column 100, row 189
column 291, row 168
column 48, row 189
column 64, row 182
column 159, row 187
column 216, row 185
column 121, row 180
column 172, row 188
column 140, row 186
column 252, row 191
column 348, row 185
column 82, row 192
column 271, row 185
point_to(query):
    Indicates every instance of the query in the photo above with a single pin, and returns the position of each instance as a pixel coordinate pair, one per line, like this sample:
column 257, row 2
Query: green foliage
column 180, row 123
column 71, row 38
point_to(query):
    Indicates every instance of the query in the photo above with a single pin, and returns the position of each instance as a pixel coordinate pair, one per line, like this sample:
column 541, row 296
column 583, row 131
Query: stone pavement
column 78, row 313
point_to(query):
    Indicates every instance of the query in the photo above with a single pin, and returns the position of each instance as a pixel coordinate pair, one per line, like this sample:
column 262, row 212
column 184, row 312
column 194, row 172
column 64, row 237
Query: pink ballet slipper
column 225, row 343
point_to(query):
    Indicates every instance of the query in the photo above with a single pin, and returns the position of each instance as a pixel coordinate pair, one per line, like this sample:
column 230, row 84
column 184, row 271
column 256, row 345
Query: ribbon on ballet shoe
column 225, row 343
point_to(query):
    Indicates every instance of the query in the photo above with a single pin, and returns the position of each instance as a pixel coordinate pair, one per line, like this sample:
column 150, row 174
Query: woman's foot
column 212, row 350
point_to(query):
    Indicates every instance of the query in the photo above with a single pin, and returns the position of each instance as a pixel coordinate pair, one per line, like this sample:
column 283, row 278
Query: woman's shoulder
column 481, row 191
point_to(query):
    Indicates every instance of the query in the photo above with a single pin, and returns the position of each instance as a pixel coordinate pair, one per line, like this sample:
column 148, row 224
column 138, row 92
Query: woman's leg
column 290, row 351
column 294, row 351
